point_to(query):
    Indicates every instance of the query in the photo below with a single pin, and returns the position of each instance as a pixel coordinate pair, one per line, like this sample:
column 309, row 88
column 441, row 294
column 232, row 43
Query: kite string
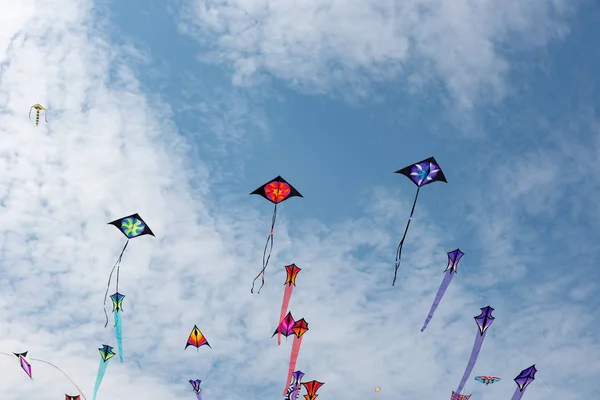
column 117, row 266
column 268, row 257
column 467, row 274
column 399, row 249
column 63, row 372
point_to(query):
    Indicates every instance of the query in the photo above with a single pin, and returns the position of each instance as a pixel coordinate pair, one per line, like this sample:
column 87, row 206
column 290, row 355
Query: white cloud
column 109, row 151
column 330, row 45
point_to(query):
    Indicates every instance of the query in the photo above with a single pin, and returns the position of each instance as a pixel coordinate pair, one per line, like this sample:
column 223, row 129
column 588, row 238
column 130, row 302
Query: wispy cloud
column 330, row 45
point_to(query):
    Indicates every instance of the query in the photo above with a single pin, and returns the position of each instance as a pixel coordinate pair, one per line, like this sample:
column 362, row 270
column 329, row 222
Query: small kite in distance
column 276, row 191
column 38, row 107
column 487, row 379
column 421, row 174
column 71, row 397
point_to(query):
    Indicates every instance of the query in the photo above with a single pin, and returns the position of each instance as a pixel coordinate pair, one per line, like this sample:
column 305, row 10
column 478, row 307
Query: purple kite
column 421, row 174
column 523, row 380
column 196, row 386
column 454, row 257
column 484, row 321
column 294, row 389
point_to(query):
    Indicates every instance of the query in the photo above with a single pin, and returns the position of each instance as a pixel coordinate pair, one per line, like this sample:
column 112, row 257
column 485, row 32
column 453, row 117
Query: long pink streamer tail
column 293, row 359
column 284, row 306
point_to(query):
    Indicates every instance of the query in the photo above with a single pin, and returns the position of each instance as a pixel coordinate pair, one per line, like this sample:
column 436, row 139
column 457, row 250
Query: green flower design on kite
column 132, row 227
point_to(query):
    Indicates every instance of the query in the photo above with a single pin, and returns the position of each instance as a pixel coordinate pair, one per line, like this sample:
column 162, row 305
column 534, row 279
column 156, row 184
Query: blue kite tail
column 119, row 331
column 99, row 377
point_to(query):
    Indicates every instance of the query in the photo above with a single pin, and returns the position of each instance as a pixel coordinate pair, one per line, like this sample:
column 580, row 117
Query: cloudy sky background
column 177, row 110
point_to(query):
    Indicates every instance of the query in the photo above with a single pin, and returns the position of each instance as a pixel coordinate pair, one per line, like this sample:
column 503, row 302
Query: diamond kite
column 106, row 353
column 38, row 107
column 421, row 174
column 25, row 366
column 523, row 380
column 484, row 321
column 454, row 257
column 290, row 281
column 487, row 379
column 132, row 226
column 276, row 191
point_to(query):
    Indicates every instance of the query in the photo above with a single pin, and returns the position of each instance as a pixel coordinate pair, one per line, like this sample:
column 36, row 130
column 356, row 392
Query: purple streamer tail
column 438, row 297
column 471, row 364
column 199, row 396
column 518, row 394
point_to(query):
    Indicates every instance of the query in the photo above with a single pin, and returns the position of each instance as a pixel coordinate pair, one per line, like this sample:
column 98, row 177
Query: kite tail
column 471, row 364
column 287, row 294
column 199, row 396
column 518, row 394
column 116, row 266
column 438, row 297
column 119, row 331
column 399, row 250
column 99, row 377
column 37, row 118
column 293, row 359
column 266, row 257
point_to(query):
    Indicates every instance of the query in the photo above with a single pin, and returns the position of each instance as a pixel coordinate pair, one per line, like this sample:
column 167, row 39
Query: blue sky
column 178, row 110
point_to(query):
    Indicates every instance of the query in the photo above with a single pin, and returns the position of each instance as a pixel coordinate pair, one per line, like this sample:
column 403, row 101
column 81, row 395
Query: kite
column 71, row 397
column 38, row 107
column 484, row 321
column 487, row 379
column 311, row 389
column 286, row 326
column 276, row 191
column 24, row 363
column 196, row 387
column 299, row 329
column 294, row 390
column 131, row 226
column 196, row 339
column 117, row 300
column 523, row 380
column 421, row 174
column 106, row 353
column 378, row 389
column 290, row 281
column 454, row 257
column 27, row 368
